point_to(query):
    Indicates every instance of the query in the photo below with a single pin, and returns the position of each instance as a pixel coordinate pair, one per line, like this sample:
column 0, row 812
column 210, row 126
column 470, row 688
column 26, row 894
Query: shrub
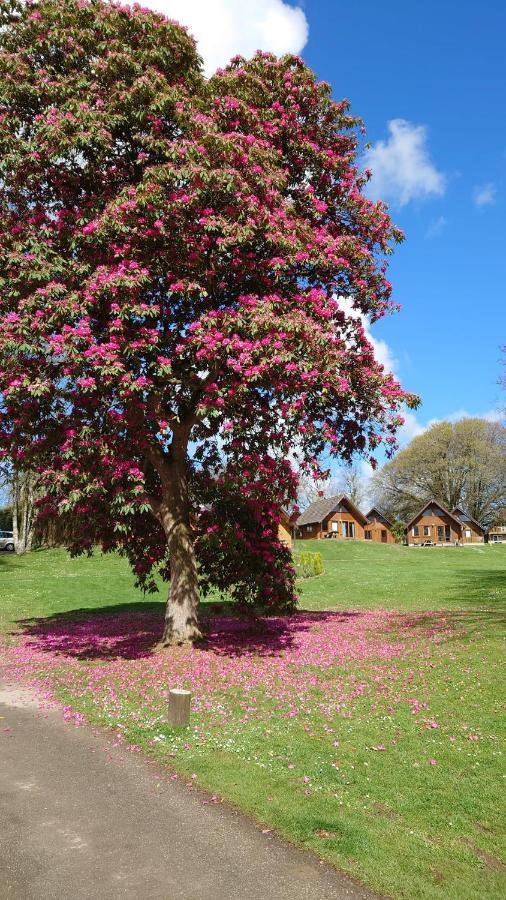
column 6, row 518
column 308, row 564
column 398, row 529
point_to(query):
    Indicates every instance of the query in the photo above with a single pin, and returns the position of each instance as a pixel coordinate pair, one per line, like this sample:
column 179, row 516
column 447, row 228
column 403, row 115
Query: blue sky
column 439, row 68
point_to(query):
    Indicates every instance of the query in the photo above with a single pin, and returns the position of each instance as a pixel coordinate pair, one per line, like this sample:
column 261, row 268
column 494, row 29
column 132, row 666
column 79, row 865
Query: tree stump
column 179, row 707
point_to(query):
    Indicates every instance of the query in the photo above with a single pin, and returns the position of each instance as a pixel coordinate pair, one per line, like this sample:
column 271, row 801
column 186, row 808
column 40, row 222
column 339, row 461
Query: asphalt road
column 83, row 821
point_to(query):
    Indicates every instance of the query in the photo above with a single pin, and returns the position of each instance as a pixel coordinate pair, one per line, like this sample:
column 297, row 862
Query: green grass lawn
column 371, row 734
column 364, row 575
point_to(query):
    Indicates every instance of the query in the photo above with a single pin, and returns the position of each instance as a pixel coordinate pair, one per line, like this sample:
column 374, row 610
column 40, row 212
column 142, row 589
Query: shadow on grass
column 482, row 598
column 132, row 630
column 7, row 560
column 486, row 588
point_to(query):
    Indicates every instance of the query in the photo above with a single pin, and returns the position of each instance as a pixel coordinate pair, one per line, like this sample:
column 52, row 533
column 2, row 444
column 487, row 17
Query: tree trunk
column 22, row 511
column 181, row 625
column 15, row 510
column 29, row 511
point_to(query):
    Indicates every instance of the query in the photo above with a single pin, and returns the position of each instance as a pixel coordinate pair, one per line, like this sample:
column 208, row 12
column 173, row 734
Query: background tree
column 5, row 518
column 171, row 252
column 18, row 487
column 22, row 496
column 311, row 488
column 398, row 529
column 346, row 479
column 350, row 481
column 458, row 464
column 502, row 378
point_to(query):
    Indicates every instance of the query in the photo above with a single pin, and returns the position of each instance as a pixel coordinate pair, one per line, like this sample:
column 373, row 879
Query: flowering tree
column 172, row 255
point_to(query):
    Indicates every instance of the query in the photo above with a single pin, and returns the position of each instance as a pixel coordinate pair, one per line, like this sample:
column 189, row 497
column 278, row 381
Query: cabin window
column 348, row 529
column 309, row 527
column 368, row 535
column 415, row 530
column 335, row 526
column 468, row 532
column 383, row 536
column 426, row 530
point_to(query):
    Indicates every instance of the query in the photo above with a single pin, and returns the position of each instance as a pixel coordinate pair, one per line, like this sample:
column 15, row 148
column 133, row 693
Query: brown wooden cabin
column 472, row 531
column 285, row 529
column 434, row 523
column 378, row 528
column 332, row 517
column 496, row 534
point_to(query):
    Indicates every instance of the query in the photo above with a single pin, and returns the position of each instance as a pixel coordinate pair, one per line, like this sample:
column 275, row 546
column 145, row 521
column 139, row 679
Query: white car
column 6, row 540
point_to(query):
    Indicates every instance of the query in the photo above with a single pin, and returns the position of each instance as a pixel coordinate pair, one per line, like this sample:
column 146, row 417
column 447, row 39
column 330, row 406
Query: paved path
column 80, row 821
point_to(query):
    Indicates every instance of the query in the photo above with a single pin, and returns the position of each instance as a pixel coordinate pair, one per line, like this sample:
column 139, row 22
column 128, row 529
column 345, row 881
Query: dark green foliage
column 398, row 529
column 6, row 518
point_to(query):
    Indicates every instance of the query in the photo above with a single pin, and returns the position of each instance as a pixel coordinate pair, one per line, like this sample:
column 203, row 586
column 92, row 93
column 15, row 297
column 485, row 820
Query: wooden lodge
column 437, row 525
column 334, row 517
column 496, row 534
column 285, row 529
column 378, row 528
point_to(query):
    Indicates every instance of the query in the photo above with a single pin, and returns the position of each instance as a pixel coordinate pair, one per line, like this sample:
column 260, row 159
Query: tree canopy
column 172, row 255
column 458, row 464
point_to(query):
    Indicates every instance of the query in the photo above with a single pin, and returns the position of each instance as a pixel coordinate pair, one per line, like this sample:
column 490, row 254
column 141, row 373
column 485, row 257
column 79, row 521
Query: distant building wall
column 284, row 533
column 433, row 524
column 378, row 531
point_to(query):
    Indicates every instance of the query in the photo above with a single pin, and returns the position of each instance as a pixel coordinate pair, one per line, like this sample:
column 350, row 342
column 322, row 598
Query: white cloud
column 401, row 166
column 490, row 415
column 436, row 227
column 382, row 352
column 224, row 28
column 484, row 194
column 411, row 428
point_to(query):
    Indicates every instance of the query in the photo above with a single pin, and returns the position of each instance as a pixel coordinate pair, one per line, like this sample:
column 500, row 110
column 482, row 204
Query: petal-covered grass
column 372, row 736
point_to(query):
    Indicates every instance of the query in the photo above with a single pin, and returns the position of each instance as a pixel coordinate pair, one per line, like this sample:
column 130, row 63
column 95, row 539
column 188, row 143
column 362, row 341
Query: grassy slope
column 357, row 575
column 47, row 582
column 388, row 817
column 361, row 575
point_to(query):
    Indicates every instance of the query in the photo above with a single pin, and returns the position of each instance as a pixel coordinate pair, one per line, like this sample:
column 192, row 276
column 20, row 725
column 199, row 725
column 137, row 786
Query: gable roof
column 468, row 517
column 374, row 509
column 433, row 503
column 320, row 509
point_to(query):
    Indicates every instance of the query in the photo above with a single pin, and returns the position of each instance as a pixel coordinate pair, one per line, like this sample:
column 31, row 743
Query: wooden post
column 179, row 707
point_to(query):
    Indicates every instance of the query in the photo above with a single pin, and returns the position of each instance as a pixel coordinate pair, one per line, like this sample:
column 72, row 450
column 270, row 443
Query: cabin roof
column 320, row 509
column 468, row 517
column 374, row 509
